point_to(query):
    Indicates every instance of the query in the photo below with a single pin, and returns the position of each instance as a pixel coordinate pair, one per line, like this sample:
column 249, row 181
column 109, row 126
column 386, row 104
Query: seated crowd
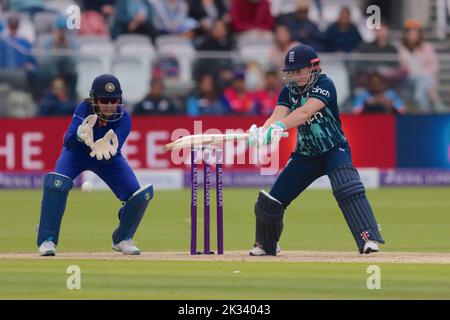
column 224, row 84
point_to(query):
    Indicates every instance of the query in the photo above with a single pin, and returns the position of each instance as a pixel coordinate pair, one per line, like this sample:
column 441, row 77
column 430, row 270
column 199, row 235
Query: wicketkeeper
column 99, row 128
column 308, row 102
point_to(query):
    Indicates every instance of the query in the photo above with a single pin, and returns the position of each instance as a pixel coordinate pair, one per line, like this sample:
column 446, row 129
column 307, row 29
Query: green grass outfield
column 413, row 220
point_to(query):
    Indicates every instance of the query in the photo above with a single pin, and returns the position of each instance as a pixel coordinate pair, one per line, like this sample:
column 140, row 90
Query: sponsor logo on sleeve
column 320, row 91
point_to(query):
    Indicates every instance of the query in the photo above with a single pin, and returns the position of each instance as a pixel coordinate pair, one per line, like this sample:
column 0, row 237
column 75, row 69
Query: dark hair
column 282, row 25
column 345, row 8
column 215, row 91
column 419, row 42
column 375, row 74
column 384, row 22
column 272, row 72
column 156, row 81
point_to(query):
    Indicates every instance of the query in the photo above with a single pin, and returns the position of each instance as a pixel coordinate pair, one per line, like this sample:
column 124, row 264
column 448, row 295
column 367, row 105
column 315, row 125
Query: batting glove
column 274, row 133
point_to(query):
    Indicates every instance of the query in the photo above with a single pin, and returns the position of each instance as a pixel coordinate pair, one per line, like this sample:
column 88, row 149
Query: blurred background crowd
column 215, row 57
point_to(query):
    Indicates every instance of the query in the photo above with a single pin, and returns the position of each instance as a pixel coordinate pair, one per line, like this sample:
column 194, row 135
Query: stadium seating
column 88, row 67
column 254, row 38
column 89, row 39
column 259, row 53
column 44, row 21
column 134, row 76
column 103, row 50
column 183, row 50
column 338, row 72
column 131, row 38
column 59, row 6
column 27, row 29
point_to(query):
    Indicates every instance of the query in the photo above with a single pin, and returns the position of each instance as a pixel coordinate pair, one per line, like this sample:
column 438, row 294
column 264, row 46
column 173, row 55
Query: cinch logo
column 321, row 91
column 316, row 116
column 291, row 56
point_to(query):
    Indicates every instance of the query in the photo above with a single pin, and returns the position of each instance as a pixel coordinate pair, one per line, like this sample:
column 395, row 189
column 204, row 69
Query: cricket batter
column 99, row 128
column 308, row 102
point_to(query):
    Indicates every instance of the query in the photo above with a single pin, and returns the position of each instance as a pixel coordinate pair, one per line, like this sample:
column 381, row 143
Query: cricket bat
column 203, row 140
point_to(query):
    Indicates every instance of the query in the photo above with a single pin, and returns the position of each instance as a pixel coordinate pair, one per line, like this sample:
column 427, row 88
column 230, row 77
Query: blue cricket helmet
column 107, row 86
column 299, row 57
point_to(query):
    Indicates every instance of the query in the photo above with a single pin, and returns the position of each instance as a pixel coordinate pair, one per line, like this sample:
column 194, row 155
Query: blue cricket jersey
column 323, row 131
column 121, row 128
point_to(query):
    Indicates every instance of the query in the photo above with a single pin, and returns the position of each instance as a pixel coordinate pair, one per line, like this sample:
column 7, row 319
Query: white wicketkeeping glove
column 84, row 131
column 106, row 147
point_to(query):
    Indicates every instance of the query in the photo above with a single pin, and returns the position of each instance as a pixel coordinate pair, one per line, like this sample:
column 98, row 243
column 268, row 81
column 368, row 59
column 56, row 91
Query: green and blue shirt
column 324, row 130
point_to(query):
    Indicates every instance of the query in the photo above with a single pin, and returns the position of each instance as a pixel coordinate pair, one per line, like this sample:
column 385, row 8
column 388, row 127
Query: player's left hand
column 273, row 134
column 106, row 147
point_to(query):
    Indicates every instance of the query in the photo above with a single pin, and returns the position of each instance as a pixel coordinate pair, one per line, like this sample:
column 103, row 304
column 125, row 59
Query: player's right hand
column 85, row 132
column 106, row 147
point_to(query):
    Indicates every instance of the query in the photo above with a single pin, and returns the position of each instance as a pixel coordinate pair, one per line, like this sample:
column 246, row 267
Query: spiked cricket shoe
column 370, row 246
column 127, row 247
column 258, row 251
column 47, row 248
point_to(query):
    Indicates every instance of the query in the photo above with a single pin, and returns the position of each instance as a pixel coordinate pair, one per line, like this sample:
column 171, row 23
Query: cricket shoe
column 258, row 251
column 370, row 246
column 127, row 247
column 47, row 248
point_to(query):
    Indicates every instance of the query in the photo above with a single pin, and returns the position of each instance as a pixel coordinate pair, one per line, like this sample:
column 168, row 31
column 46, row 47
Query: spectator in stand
column 62, row 66
column 377, row 99
column 283, row 43
column 238, row 98
column 207, row 12
column 381, row 44
column 29, row 6
column 104, row 7
column 343, row 36
column 155, row 103
column 304, row 30
column 134, row 16
column 171, row 16
column 206, row 100
column 93, row 24
column 251, row 15
column 224, row 78
column 419, row 59
column 15, row 51
column 16, row 56
column 389, row 69
column 267, row 98
column 216, row 40
column 56, row 102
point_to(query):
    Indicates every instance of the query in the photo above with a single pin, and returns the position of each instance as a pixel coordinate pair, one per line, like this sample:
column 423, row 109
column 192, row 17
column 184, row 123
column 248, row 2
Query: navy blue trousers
column 301, row 171
column 116, row 172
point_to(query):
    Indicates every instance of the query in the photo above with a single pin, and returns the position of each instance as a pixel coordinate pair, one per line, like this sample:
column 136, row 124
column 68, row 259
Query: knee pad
column 269, row 214
column 346, row 183
column 130, row 215
column 53, row 204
